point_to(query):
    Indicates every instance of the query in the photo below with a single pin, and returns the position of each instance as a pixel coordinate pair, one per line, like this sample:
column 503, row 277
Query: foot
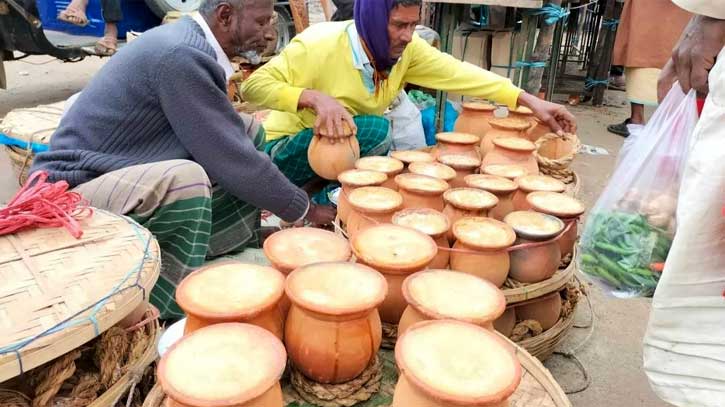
column 620, row 128
column 74, row 15
column 106, row 46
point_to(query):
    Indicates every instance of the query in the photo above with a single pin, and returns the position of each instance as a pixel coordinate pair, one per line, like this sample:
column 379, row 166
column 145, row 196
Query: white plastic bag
column 629, row 232
column 407, row 127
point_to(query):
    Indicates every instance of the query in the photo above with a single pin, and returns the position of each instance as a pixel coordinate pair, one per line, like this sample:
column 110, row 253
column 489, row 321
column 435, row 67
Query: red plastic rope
column 40, row 204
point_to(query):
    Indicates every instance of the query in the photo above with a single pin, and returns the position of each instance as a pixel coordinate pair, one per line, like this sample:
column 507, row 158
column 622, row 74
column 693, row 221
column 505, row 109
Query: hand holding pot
column 333, row 120
column 316, row 215
column 557, row 117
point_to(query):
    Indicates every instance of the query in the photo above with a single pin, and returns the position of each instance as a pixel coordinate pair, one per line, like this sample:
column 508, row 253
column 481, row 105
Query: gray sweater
column 163, row 97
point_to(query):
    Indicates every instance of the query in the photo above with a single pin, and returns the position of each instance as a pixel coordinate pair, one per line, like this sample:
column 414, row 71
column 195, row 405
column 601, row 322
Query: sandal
column 72, row 15
column 106, row 47
column 620, row 129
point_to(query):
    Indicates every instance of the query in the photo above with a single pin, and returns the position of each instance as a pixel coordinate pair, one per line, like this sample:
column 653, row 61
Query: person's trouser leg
column 111, row 11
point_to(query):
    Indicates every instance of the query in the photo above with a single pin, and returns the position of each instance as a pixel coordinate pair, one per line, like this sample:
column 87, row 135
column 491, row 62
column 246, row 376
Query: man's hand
column 321, row 214
column 555, row 116
column 695, row 54
column 667, row 77
column 330, row 114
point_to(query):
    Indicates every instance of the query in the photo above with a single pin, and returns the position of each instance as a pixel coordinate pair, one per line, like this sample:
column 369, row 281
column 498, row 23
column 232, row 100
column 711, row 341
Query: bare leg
column 107, row 45
column 637, row 114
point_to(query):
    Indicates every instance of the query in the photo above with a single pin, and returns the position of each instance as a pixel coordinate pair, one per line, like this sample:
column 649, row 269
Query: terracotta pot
column 371, row 206
column 539, row 130
column 463, row 165
column 387, row 165
column 511, row 172
column 444, row 294
column 421, row 191
column 232, row 292
column 501, row 187
column 474, row 118
column 506, row 323
column 524, row 113
column 433, row 224
column 457, row 143
column 534, row 183
column 546, row 310
column 482, row 244
column 351, row 180
column 434, row 169
column 333, row 329
column 329, row 157
column 507, row 128
column 513, row 151
column 451, row 363
column 396, row 252
column 563, row 207
column 537, row 263
column 412, row 156
column 467, row 202
column 249, row 359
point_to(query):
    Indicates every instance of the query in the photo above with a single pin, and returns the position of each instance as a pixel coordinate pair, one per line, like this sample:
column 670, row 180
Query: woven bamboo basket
column 530, row 291
column 59, row 293
column 555, row 154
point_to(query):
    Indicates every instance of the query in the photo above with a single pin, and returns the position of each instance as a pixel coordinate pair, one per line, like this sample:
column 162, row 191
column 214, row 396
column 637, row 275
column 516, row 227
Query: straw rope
column 52, row 378
column 13, row 398
column 346, row 394
column 390, row 335
column 110, row 355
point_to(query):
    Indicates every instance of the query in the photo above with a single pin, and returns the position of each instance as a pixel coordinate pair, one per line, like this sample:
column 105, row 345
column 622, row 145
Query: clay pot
column 546, row 310
column 457, row 143
column 463, row 165
column 501, row 187
column 482, row 243
column 232, row 292
column 449, row 363
column 524, row 113
column 396, row 252
column 432, row 223
column 435, row 170
column 387, row 165
column 474, row 118
column 371, row 206
column 539, row 130
column 421, row 191
column 467, row 202
column 507, row 128
column 412, row 156
column 333, row 329
column 329, row 157
column 351, row 180
column 511, row 172
column 534, row 183
column 538, row 263
column 444, row 294
column 564, row 207
column 513, row 151
column 248, row 358
column 506, row 323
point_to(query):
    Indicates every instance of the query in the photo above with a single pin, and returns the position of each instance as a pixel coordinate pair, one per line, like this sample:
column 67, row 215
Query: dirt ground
column 612, row 357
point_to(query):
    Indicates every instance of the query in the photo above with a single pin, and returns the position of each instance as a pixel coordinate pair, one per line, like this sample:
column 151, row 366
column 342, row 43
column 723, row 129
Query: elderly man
column 153, row 136
column 351, row 71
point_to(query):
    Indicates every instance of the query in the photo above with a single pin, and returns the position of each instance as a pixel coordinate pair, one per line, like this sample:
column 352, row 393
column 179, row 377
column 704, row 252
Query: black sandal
column 620, row 129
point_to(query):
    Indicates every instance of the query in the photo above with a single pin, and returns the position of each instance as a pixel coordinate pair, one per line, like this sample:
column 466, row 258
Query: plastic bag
column 407, row 127
column 629, row 231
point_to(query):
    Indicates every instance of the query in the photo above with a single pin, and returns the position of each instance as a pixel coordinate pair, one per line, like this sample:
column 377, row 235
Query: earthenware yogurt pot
column 474, row 118
column 333, row 329
column 506, row 127
column 434, row 224
column 421, row 191
column 457, row 143
column 463, row 165
column 328, row 157
column 466, row 202
column 546, row 310
column 513, row 151
column 445, row 294
column 564, row 207
column 507, row 171
column 351, row 180
column 539, row 130
column 396, row 252
column 506, row 323
column 371, row 206
column 387, row 165
column 448, row 363
column 503, row 188
column 524, row 113
column 232, row 292
column 481, row 248
column 537, row 263
column 434, row 169
column 412, row 156
column 534, row 183
column 224, row 365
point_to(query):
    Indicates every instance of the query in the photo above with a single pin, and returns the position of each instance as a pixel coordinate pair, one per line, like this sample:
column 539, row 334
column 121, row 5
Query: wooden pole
column 604, row 51
column 541, row 54
column 300, row 15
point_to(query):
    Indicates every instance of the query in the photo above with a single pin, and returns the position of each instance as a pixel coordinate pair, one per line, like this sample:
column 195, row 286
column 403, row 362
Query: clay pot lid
column 296, row 247
column 510, row 123
column 484, row 233
column 479, row 106
column 362, row 178
column 557, row 204
column 442, row 294
column 471, row 199
column 375, row 199
column 411, row 156
column 436, row 170
column 457, row 138
column 523, row 110
column 534, row 225
column 460, row 161
column 230, row 290
column 509, row 171
column 222, row 365
column 394, row 247
column 490, row 183
column 531, row 183
column 458, row 362
column 429, row 221
column 422, row 184
column 514, row 144
column 387, row 165
column 336, row 288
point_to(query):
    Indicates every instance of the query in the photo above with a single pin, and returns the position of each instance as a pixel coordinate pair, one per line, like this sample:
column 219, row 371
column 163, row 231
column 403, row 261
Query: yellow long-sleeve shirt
column 321, row 58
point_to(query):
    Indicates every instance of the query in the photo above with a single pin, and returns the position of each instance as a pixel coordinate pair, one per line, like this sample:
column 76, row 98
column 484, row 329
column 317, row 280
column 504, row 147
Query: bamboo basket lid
column 58, row 293
column 35, row 124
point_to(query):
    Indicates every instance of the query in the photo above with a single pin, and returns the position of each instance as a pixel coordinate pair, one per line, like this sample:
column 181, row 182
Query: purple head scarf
column 371, row 21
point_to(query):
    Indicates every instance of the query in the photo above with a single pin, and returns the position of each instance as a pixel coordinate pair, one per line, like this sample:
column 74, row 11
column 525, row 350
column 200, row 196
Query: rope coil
column 552, row 13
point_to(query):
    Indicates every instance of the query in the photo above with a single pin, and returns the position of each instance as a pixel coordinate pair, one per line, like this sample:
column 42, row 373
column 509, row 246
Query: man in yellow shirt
column 351, row 71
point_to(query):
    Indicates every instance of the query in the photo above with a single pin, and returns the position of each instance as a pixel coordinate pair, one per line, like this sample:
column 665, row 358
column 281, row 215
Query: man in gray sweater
column 153, row 136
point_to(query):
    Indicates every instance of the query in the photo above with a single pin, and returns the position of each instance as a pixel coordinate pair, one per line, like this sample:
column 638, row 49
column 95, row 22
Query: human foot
column 74, row 15
column 106, row 46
